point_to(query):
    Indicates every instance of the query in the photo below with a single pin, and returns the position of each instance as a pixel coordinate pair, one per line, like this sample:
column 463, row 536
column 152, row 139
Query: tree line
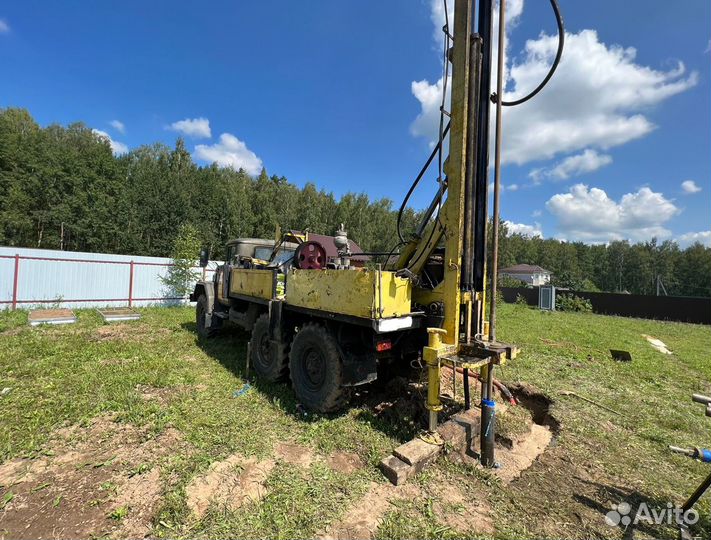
column 61, row 187
column 650, row 267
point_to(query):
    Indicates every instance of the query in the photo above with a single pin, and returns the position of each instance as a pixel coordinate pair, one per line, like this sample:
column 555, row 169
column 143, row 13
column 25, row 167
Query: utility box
column 546, row 297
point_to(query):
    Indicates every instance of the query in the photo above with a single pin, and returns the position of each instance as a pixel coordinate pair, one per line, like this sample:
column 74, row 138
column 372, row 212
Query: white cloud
column 430, row 97
column 118, row 126
column 690, row 238
column 197, row 128
column 426, row 124
column 708, row 47
column 116, row 146
column 536, row 213
column 230, row 152
column 503, row 188
column 575, row 165
column 689, row 186
column 4, row 27
column 522, row 228
column 595, row 99
column 588, row 214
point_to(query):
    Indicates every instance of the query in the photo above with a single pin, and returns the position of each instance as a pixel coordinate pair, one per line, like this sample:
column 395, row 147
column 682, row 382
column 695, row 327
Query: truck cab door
column 227, row 270
column 222, row 276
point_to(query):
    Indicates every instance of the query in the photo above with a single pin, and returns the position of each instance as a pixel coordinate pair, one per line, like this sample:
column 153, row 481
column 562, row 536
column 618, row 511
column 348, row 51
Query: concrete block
column 416, row 450
column 395, row 470
column 462, row 430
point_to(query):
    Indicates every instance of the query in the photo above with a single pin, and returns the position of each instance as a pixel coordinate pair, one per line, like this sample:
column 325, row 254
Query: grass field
column 127, row 428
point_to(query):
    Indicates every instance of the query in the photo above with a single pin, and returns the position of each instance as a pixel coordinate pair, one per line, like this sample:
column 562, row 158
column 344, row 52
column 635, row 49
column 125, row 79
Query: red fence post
column 14, row 281
column 130, row 286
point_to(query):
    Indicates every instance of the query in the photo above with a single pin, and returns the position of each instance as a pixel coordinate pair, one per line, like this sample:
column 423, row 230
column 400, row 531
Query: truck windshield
column 265, row 253
column 282, row 256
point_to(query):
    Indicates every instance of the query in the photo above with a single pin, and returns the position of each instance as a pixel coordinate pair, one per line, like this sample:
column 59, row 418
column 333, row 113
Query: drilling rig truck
column 326, row 324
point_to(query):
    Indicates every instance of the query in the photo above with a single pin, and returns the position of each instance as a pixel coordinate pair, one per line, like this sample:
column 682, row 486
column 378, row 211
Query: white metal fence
column 41, row 277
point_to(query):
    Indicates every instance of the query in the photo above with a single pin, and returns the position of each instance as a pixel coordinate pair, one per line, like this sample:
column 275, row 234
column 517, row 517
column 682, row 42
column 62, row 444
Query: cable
column 392, row 251
column 444, row 130
column 414, row 185
column 437, row 151
column 554, row 66
column 442, row 133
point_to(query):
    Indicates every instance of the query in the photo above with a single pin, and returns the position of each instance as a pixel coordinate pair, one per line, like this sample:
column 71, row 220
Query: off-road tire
column 316, row 370
column 268, row 368
column 201, row 307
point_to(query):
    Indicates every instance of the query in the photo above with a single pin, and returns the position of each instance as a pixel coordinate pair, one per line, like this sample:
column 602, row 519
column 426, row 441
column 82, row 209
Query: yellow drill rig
column 327, row 324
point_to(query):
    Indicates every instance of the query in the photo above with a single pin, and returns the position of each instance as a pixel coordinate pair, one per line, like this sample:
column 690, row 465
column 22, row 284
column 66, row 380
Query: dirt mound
column 363, row 517
column 153, row 393
column 295, row 454
column 460, row 513
column 98, row 480
column 229, row 483
column 523, row 453
column 344, row 462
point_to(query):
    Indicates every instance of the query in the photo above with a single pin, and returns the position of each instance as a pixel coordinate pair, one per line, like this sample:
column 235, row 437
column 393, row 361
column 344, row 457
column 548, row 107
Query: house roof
column 524, row 269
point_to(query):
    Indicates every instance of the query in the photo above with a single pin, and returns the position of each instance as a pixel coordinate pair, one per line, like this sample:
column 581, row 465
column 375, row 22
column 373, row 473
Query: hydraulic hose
column 417, row 181
column 505, row 392
column 554, row 65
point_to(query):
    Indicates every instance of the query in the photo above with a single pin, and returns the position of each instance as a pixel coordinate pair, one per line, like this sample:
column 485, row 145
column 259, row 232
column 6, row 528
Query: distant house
column 528, row 273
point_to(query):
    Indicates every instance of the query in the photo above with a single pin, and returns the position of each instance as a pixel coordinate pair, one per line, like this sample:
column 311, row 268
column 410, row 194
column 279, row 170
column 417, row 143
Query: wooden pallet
column 119, row 314
column 51, row 316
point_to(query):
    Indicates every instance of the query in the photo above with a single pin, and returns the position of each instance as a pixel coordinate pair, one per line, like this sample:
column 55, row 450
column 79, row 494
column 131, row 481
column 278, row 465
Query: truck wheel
column 317, row 370
column 267, row 367
column 201, row 309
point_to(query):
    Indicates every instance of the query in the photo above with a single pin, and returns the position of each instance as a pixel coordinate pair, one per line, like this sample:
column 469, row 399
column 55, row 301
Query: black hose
column 554, row 66
column 414, row 185
column 544, row 82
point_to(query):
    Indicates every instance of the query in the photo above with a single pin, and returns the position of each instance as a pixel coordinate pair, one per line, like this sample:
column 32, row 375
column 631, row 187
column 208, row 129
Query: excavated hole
column 537, row 403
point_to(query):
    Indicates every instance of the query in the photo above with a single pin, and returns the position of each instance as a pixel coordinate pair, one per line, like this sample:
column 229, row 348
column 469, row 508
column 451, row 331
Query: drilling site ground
column 138, row 429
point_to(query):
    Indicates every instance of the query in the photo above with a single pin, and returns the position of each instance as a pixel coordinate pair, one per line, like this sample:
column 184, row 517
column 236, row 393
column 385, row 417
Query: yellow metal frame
column 371, row 294
column 252, row 282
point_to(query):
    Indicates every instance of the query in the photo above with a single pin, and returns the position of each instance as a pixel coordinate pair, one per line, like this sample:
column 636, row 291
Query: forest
column 61, row 187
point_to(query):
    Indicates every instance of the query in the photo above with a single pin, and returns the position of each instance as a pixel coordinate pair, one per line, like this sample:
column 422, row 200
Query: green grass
column 60, row 376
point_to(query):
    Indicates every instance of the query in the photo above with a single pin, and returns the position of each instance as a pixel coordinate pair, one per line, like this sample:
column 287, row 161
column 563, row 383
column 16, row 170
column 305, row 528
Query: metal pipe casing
column 488, row 427
column 482, row 166
column 470, row 202
column 467, row 397
column 497, row 171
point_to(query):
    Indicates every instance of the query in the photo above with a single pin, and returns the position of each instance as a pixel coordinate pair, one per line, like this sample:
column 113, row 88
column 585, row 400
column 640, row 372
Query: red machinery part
column 310, row 255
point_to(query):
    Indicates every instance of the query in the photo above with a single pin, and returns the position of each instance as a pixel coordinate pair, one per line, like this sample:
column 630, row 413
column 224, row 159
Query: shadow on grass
column 635, row 499
column 393, row 409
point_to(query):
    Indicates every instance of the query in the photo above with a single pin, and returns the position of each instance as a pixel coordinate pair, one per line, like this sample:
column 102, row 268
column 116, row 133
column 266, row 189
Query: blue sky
column 616, row 147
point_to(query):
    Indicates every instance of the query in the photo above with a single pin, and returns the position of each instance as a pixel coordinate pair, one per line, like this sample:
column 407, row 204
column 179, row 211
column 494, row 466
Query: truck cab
column 250, row 253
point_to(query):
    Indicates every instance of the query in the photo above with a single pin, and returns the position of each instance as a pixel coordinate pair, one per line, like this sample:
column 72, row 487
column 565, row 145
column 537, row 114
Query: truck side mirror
column 204, row 257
